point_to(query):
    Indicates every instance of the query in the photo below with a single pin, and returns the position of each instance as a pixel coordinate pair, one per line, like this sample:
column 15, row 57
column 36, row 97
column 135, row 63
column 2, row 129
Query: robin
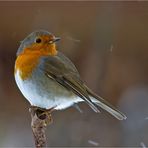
column 49, row 80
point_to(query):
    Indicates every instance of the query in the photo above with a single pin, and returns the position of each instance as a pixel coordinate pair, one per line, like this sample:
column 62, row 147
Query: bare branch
column 40, row 120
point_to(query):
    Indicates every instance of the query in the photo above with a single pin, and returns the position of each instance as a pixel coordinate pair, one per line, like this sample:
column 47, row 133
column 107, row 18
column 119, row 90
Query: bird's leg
column 36, row 107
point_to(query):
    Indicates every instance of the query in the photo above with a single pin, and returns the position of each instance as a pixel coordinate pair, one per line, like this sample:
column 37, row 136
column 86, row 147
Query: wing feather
column 66, row 76
column 61, row 69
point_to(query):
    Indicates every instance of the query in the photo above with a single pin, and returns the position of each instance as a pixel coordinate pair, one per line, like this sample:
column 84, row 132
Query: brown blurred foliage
column 108, row 42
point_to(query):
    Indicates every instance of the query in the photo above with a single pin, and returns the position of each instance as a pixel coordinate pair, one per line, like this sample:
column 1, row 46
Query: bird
column 49, row 80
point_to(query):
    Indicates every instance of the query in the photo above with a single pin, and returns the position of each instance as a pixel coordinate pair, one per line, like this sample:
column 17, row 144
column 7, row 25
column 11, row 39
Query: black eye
column 38, row 40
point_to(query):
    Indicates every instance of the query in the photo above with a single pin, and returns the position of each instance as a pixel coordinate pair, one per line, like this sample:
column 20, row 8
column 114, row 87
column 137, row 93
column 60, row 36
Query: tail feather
column 99, row 101
column 116, row 113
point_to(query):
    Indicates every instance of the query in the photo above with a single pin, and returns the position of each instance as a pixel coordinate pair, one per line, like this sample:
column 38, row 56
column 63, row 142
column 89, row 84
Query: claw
column 43, row 114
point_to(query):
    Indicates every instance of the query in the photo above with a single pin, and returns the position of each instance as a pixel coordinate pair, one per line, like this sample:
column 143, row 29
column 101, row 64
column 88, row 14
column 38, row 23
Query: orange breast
column 26, row 63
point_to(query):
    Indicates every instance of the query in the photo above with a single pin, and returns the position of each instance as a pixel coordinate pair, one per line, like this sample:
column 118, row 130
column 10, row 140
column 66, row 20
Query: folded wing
column 61, row 69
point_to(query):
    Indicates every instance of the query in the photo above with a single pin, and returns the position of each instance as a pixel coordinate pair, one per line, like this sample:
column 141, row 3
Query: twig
column 40, row 120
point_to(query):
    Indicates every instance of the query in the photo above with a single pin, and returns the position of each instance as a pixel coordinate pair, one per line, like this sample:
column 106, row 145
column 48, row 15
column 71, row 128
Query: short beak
column 54, row 40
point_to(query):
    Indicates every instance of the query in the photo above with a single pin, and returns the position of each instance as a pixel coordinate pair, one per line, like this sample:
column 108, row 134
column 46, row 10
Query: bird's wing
column 61, row 69
column 64, row 72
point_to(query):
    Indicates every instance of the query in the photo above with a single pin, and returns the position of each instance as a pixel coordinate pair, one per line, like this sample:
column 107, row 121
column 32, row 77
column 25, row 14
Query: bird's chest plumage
column 25, row 64
column 40, row 90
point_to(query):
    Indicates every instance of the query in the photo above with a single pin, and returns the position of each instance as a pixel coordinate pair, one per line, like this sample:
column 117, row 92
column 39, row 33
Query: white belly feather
column 56, row 96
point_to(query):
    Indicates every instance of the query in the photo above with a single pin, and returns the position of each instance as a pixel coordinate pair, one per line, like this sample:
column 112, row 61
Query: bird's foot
column 43, row 114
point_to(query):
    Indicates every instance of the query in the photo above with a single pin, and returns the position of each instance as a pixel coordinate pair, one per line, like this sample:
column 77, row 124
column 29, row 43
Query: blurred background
column 108, row 42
